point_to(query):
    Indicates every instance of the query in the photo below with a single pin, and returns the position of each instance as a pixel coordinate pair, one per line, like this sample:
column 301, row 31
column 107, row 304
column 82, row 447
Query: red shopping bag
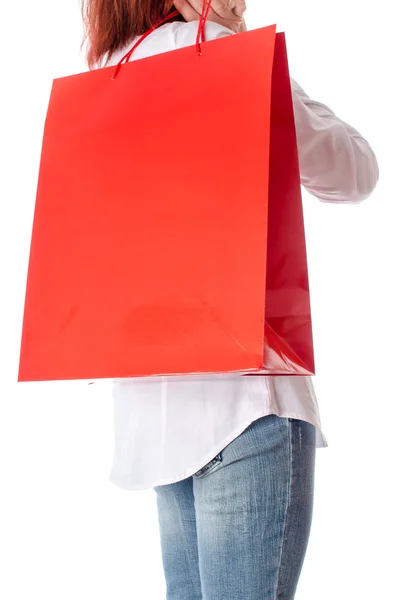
column 168, row 233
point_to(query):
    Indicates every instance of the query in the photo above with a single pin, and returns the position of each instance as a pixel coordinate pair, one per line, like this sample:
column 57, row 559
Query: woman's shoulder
column 169, row 36
column 186, row 33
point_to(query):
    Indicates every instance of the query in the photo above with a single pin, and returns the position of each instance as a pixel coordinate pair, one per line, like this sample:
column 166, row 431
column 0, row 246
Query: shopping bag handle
column 200, row 34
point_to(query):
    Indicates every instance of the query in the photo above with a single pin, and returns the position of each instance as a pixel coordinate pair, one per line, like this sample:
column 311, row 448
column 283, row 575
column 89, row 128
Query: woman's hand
column 228, row 13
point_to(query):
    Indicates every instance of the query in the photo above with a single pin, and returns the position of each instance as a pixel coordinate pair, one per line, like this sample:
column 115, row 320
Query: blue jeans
column 238, row 529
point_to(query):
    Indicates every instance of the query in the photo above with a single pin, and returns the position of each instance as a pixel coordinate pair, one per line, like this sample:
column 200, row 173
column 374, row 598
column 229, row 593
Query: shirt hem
column 122, row 482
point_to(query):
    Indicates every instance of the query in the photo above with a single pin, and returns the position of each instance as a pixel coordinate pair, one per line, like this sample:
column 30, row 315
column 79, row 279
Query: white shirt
column 167, row 428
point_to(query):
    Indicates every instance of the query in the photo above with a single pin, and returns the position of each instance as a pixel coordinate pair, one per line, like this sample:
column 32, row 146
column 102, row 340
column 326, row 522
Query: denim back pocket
column 209, row 467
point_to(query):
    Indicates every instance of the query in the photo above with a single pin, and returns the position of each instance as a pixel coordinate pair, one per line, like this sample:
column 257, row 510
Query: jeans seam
column 209, row 465
column 287, row 506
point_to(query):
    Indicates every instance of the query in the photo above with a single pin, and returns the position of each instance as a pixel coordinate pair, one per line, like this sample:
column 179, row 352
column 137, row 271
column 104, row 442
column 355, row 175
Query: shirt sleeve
column 336, row 163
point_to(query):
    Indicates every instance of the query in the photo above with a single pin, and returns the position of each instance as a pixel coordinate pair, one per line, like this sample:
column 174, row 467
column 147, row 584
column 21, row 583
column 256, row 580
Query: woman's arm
column 336, row 163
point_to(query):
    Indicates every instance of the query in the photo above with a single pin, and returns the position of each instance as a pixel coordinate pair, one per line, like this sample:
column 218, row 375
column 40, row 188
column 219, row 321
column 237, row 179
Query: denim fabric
column 238, row 529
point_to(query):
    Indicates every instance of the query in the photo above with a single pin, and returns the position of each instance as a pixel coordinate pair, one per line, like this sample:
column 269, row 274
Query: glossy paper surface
column 151, row 234
column 288, row 347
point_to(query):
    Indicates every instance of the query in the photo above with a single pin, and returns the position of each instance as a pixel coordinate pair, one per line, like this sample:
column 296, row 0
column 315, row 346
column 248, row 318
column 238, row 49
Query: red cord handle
column 200, row 34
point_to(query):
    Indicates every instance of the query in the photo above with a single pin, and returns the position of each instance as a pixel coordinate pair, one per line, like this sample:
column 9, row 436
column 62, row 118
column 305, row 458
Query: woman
column 231, row 458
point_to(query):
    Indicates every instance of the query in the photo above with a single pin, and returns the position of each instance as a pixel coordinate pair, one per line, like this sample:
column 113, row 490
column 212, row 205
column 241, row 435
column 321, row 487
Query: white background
column 65, row 530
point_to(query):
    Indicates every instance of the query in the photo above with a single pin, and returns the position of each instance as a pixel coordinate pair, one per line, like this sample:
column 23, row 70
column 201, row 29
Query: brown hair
column 111, row 24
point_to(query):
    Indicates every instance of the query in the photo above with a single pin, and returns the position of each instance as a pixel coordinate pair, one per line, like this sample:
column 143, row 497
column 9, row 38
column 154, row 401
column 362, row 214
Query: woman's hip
column 248, row 513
